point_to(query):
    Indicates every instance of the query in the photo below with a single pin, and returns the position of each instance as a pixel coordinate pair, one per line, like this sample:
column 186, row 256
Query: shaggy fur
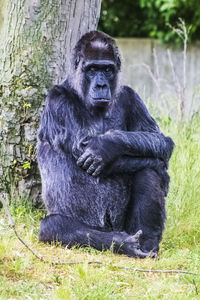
column 122, row 191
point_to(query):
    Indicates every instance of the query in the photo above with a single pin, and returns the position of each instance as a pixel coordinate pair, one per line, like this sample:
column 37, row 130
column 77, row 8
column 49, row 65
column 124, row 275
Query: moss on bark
column 35, row 42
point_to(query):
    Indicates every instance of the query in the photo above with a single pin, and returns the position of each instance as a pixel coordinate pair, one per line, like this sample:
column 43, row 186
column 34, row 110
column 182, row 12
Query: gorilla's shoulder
column 60, row 90
column 133, row 101
column 56, row 91
column 129, row 94
column 128, row 90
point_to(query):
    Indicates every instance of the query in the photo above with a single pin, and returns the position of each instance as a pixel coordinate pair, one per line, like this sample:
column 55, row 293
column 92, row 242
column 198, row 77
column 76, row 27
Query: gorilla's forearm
column 129, row 165
column 141, row 144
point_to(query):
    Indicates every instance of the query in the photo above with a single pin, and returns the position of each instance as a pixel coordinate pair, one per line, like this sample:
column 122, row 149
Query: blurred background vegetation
column 149, row 18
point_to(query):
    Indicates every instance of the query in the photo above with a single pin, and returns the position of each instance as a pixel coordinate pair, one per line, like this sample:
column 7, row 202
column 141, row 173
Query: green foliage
column 26, row 165
column 122, row 18
column 149, row 18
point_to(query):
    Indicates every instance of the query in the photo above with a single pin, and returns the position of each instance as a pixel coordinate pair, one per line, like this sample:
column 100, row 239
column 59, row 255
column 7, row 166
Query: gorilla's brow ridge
column 99, row 44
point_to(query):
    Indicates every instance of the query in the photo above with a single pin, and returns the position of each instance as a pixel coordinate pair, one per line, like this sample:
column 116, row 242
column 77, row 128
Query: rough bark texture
column 36, row 38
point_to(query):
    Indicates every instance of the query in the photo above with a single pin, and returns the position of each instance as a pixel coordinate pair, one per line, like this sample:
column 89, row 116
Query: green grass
column 22, row 276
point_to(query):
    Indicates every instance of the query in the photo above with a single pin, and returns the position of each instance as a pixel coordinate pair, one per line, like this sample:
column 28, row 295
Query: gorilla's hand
column 79, row 147
column 99, row 152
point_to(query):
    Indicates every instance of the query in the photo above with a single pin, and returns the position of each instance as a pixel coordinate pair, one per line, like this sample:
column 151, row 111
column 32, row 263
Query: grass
column 22, row 276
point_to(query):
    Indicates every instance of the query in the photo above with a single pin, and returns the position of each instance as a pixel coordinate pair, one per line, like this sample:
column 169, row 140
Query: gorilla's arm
column 126, row 152
column 139, row 144
column 143, row 138
column 52, row 125
column 124, row 164
column 128, row 165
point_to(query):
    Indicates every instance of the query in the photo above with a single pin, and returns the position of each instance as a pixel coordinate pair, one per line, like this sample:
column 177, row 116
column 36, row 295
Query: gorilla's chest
column 116, row 119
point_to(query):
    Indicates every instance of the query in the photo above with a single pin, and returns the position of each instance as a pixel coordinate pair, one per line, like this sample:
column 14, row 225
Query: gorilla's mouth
column 101, row 100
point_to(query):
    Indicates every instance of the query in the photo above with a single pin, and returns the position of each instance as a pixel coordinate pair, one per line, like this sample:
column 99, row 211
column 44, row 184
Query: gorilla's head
column 96, row 63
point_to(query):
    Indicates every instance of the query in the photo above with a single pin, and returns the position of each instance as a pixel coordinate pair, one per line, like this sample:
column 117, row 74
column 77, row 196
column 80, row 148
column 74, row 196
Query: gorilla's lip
column 102, row 100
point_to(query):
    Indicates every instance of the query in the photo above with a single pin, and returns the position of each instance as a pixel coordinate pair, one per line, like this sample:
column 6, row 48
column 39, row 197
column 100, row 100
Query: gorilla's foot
column 130, row 245
column 71, row 232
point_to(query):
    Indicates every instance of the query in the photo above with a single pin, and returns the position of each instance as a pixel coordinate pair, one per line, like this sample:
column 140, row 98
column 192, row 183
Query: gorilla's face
column 99, row 82
column 96, row 63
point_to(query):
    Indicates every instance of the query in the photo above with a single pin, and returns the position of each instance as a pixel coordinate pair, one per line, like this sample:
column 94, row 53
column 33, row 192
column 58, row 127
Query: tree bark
column 36, row 38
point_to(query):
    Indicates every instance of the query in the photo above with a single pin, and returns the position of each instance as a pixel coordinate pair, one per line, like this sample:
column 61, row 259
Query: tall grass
column 22, row 276
column 183, row 202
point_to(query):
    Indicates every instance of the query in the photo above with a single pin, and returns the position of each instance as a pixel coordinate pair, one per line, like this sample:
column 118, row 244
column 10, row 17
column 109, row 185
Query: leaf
column 26, row 165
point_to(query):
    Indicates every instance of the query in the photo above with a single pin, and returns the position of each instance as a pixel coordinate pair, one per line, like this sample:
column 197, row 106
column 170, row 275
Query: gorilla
column 102, row 158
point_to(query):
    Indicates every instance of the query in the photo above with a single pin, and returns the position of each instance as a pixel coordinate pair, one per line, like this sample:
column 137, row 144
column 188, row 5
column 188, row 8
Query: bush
column 149, row 18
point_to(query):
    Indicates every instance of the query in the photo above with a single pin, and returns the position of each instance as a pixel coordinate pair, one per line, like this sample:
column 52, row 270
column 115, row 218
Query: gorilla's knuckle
column 98, row 159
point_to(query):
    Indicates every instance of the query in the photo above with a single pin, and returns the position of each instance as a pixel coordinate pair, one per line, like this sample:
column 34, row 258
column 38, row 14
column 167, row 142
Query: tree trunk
column 36, row 38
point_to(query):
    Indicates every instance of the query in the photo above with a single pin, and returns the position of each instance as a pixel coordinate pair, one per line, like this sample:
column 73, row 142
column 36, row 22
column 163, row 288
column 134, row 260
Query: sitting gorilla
column 102, row 158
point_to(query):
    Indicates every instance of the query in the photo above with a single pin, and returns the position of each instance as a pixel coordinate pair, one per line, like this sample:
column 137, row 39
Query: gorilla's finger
column 98, row 170
column 92, row 167
column 88, row 162
column 82, row 158
column 97, row 163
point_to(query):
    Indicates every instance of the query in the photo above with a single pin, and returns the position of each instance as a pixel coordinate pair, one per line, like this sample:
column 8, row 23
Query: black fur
column 103, row 167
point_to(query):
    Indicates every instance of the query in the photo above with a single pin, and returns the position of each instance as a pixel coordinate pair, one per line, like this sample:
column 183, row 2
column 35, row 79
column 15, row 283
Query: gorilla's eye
column 91, row 69
column 108, row 69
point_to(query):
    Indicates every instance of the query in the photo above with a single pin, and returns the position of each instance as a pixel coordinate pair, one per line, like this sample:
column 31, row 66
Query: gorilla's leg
column 71, row 232
column 146, row 209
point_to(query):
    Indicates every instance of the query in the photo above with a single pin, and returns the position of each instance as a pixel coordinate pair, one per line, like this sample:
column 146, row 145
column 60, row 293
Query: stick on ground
column 53, row 262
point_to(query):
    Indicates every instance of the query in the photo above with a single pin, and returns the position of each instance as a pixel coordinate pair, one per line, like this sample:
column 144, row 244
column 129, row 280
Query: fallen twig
column 37, row 255
column 54, row 262
column 157, row 271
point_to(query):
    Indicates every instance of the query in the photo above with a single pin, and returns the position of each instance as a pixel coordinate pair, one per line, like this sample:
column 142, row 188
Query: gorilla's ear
column 118, row 62
column 76, row 62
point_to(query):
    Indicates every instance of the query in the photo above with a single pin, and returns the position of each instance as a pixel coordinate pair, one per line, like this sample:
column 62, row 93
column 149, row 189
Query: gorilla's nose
column 101, row 86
